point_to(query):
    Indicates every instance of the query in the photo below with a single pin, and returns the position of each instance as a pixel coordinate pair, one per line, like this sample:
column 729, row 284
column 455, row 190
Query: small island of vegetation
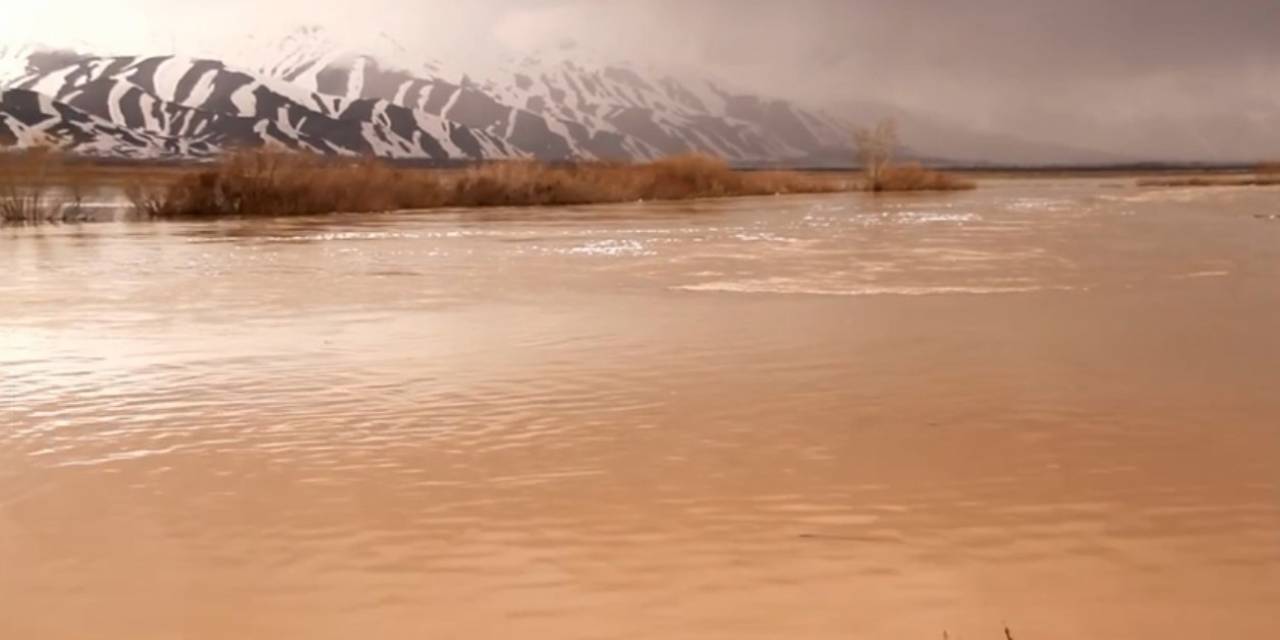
column 1266, row 174
column 44, row 185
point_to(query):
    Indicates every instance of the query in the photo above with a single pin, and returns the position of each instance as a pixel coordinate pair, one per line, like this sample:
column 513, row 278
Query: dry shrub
column 514, row 184
column 24, row 178
column 42, row 185
column 274, row 183
column 765, row 183
column 876, row 147
column 913, row 177
column 1268, row 168
column 693, row 176
column 1260, row 180
column 511, row 184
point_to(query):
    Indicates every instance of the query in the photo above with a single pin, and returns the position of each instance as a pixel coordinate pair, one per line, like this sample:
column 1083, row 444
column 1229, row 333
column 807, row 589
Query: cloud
column 1121, row 75
column 1101, row 73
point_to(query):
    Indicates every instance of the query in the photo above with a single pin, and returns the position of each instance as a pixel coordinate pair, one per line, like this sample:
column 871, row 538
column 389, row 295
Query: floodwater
column 1052, row 405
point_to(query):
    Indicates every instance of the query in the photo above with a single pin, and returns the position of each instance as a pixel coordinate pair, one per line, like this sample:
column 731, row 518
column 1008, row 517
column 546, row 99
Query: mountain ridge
column 308, row 91
column 227, row 107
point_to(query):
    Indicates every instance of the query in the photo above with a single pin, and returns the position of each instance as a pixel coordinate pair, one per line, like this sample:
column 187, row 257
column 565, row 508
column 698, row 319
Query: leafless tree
column 875, row 149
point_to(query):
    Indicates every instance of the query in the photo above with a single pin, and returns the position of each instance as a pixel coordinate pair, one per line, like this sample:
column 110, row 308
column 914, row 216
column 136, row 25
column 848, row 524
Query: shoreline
column 44, row 186
column 116, row 179
column 123, row 212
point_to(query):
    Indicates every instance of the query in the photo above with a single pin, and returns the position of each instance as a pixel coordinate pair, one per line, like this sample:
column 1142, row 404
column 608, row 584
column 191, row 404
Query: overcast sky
column 1166, row 78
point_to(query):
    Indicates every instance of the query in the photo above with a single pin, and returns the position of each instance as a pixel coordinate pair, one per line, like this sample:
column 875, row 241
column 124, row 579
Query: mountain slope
column 553, row 139
column 308, row 93
column 556, row 108
column 29, row 119
column 176, row 96
column 669, row 113
column 315, row 96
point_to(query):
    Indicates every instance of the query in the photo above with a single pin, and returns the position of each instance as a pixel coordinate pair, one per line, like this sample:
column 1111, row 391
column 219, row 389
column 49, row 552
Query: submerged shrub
column 275, row 183
column 41, row 185
column 876, row 147
column 913, row 177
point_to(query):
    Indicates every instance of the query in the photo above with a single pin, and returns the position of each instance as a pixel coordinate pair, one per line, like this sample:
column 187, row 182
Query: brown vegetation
column 1259, row 180
column 1265, row 174
column 40, row 185
column 913, row 177
column 273, row 183
column 876, row 147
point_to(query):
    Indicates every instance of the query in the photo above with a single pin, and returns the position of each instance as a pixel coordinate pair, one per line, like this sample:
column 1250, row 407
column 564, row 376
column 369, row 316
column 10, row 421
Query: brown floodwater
column 1048, row 404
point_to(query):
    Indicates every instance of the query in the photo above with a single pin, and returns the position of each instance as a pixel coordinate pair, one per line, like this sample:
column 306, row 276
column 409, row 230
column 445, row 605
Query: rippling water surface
column 1052, row 405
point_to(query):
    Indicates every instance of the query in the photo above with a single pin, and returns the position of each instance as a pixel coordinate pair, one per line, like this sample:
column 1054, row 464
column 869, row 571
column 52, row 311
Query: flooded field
column 1052, row 405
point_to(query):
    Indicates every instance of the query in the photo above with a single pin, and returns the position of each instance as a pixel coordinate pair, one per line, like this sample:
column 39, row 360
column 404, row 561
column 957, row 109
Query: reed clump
column 274, row 183
column 914, row 177
column 42, row 185
column 677, row 178
column 278, row 184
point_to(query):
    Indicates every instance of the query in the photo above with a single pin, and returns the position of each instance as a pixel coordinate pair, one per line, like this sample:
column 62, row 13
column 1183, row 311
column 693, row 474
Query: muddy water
column 1052, row 405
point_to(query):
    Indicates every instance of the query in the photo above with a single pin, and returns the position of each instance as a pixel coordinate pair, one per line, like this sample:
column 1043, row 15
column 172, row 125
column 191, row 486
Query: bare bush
column 875, row 147
column 24, row 180
column 274, row 183
column 42, row 185
column 913, row 177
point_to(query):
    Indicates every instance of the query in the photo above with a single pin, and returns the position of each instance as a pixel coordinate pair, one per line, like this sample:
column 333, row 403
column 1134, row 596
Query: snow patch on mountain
column 29, row 119
column 227, row 107
column 557, row 107
column 310, row 91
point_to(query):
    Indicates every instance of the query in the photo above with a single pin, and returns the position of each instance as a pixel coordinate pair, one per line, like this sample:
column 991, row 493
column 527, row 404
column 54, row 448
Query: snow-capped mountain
column 308, row 93
column 29, row 119
column 207, row 102
column 557, row 106
column 670, row 114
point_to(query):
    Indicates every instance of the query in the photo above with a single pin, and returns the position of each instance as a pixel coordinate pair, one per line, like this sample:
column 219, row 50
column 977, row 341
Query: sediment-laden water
column 1048, row 404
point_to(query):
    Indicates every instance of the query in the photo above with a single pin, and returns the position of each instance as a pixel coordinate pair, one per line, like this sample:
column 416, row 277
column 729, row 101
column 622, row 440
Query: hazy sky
column 1168, row 78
